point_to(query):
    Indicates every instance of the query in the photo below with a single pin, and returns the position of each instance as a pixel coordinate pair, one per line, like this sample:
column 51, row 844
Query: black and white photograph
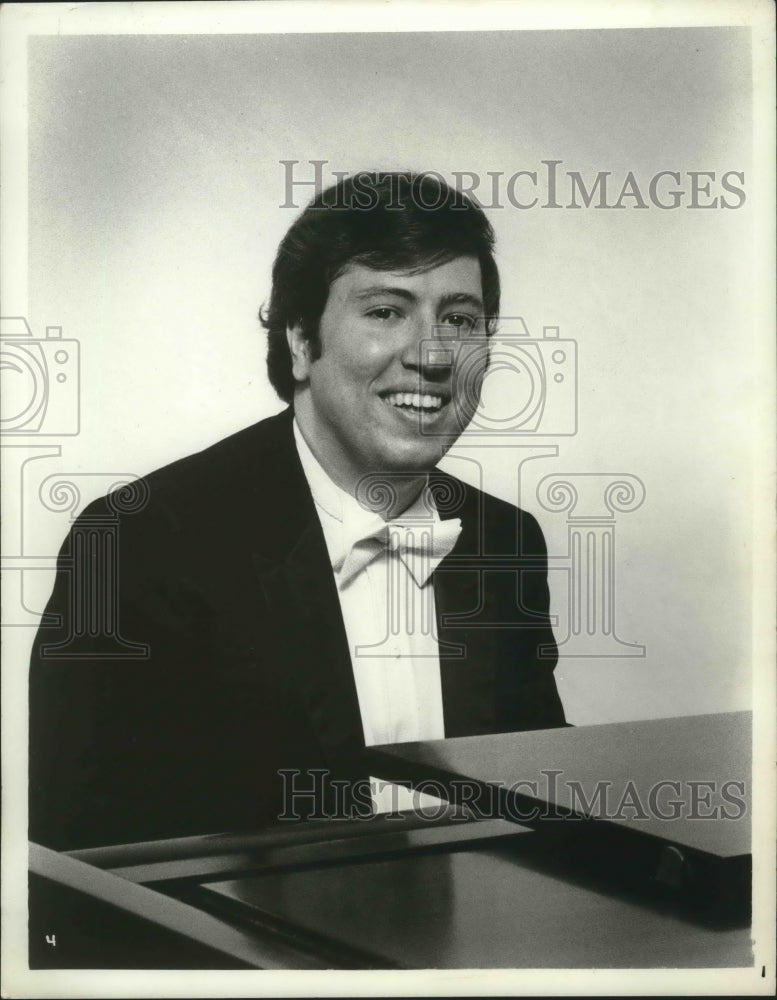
column 388, row 498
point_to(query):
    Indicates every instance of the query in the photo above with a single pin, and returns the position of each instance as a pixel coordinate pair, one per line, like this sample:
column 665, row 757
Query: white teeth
column 415, row 400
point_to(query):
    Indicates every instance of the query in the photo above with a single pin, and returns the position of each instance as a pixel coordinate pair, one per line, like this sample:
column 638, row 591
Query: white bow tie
column 421, row 544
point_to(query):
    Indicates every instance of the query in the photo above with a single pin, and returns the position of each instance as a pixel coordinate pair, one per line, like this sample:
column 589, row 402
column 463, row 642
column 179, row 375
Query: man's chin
column 417, row 460
column 396, row 479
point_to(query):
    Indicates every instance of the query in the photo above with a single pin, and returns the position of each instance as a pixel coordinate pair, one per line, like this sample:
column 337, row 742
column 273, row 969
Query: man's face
column 375, row 401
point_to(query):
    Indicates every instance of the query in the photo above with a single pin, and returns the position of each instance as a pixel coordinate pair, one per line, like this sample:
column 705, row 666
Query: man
column 310, row 585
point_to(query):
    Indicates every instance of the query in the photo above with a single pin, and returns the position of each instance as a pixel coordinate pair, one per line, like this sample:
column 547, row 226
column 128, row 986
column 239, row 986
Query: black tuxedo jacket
column 225, row 577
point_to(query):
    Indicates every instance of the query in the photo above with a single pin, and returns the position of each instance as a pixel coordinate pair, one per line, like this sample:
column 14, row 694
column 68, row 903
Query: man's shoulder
column 236, row 457
column 244, row 465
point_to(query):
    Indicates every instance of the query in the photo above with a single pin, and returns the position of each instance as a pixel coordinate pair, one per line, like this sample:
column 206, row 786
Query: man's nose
column 428, row 349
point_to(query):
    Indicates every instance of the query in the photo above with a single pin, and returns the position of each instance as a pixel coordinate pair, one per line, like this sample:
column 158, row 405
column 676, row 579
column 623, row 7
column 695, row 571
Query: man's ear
column 299, row 348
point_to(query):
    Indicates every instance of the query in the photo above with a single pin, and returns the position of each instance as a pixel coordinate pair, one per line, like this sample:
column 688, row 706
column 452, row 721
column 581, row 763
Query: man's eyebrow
column 368, row 293
column 450, row 299
column 460, row 299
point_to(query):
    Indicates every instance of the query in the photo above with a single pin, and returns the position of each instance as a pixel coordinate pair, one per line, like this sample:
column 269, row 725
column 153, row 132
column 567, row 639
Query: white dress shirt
column 387, row 600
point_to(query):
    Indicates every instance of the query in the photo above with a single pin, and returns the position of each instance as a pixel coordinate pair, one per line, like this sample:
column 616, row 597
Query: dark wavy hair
column 386, row 221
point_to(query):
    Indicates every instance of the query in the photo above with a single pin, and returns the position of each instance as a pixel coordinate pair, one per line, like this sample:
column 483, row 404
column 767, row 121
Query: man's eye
column 382, row 313
column 461, row 321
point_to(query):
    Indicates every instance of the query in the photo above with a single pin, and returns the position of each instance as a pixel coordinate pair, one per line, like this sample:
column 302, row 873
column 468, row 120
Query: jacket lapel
column 464, row 604
column 308, row 635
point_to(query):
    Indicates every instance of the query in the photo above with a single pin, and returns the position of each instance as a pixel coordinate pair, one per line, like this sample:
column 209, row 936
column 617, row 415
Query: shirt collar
column 326, row 493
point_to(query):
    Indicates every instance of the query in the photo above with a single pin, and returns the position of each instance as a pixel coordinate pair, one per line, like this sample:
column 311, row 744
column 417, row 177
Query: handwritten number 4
column 51, row 939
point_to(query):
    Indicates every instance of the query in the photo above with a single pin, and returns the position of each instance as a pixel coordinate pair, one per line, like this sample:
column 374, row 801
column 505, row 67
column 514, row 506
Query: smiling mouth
column 415, row 402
